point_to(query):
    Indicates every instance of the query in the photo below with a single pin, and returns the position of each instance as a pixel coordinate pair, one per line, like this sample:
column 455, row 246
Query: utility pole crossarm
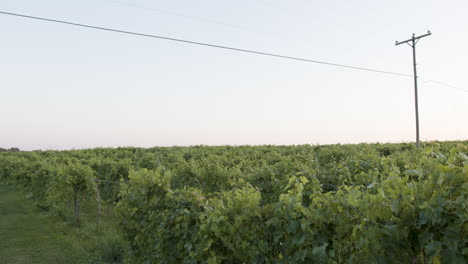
column 413, row 38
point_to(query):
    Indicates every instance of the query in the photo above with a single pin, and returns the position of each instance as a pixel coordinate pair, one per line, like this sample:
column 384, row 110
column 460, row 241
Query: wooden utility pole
column 412, row 42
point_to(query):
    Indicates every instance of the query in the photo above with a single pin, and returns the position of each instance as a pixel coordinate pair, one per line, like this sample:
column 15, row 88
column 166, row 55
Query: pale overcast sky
column 65, row 87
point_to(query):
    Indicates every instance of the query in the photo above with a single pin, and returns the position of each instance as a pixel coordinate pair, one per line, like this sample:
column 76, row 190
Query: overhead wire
column 205, row 44
column 169, row 12
column 228, row 48
column 443, row 84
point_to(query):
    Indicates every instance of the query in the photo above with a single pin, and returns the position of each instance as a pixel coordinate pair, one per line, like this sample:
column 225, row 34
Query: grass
column 30, row 235
column 27, row 235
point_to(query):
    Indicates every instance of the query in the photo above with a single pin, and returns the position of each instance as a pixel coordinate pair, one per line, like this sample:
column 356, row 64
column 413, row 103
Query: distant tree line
column 10, row 150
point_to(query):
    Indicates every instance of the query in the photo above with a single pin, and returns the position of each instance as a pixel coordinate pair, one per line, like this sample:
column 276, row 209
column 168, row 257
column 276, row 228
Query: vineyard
column 366, row 203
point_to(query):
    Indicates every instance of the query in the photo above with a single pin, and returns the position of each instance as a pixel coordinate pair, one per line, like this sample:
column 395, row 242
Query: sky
column 64, row 87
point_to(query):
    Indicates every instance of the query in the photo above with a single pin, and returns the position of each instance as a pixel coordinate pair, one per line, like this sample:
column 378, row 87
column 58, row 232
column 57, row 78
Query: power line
column 168, row 12
column 443, row 84
column 205, row 44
